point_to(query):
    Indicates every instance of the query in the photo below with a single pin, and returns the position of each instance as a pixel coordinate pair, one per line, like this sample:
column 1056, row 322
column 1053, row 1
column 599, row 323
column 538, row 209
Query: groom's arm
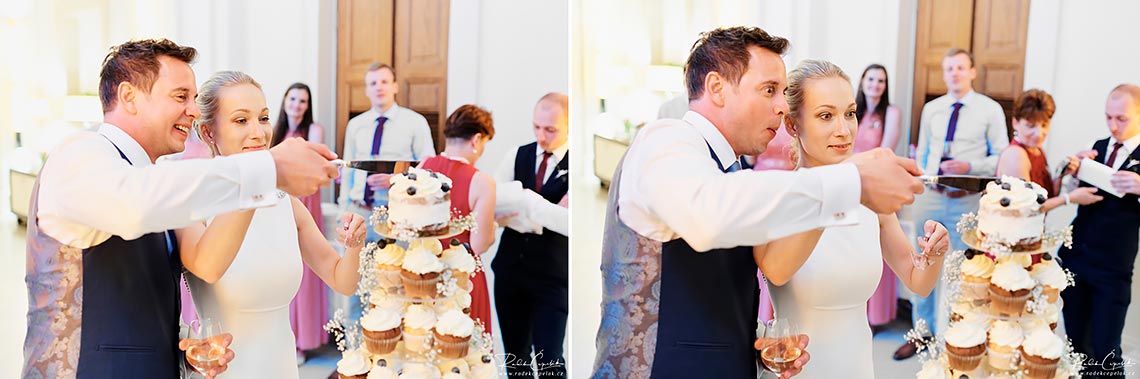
column 87, row 192
column 678, row 183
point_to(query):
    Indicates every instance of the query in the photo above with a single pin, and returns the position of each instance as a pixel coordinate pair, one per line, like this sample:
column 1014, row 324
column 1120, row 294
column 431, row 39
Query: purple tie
column 1112, row 157
column 950, row 134
column 375, row 150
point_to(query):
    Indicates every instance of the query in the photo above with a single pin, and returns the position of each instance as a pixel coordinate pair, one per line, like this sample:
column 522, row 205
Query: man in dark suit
column 1105, row 243
column 531, row 268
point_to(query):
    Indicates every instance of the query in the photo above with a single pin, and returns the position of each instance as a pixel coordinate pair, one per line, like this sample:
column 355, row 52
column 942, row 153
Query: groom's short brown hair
column 725, row 50
column 136, row 62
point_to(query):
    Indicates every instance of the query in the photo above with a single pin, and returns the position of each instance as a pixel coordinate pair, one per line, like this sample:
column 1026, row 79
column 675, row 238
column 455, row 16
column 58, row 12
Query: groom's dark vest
column 1105, row 232
column 706, row 305
column 128, row 301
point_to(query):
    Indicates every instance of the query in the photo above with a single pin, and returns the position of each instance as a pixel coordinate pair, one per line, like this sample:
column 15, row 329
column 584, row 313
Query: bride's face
column 827, row 123
column 243, row 120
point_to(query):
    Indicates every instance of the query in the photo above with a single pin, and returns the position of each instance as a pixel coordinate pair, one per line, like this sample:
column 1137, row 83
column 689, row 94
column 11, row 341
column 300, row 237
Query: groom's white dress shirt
column 88, row 193
column 671, row 188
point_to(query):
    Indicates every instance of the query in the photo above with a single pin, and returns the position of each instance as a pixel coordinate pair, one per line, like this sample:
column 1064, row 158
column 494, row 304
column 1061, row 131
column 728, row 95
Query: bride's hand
column 937, row 240
column 798, row 366
column 352, row 230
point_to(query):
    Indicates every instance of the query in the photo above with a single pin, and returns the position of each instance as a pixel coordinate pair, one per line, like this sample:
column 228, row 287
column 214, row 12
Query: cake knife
column 383, row 167
column 969, row 183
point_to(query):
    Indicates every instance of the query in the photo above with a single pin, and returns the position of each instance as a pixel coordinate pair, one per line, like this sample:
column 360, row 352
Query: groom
column 680, row 297
column 102, row 269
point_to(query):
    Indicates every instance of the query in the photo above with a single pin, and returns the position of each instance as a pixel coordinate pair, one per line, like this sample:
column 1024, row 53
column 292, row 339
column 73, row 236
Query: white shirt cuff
column 258, row 176
column 840, row 204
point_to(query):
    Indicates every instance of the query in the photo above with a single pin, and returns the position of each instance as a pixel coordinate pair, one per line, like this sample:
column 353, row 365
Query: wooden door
column 365, row 34
column 942, row 25
column 993, row 30
column 411, row 36
column 421, row 60
column 999, row 50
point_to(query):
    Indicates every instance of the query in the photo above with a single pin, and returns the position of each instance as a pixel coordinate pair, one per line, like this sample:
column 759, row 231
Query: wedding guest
column 960, row 132
column 103, row 268
column 822, row 277
column 1032, row 115
column 1105, row 242
column 531, row 268
column 386, row 131
column 468, row 130
column 878, row 118
column 878, row 127
column 308, row 312
column 245, row 268
column 682, row 217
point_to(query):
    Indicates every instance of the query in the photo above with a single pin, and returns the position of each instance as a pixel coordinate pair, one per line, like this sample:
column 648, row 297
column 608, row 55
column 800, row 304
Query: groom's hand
column 303, row 167
column 798, row 366
column 888, row 182
column 225, row 339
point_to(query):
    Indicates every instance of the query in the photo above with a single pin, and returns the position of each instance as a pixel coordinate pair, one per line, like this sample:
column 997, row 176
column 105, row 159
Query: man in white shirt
column 103, row 269
column 961, row 132
column 532, row 265
column 387, row 132
column 1105, row 242
column 681, row 294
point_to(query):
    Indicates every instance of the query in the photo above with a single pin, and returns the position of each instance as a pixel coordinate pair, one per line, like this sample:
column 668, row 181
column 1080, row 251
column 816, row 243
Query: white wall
column 503, row 56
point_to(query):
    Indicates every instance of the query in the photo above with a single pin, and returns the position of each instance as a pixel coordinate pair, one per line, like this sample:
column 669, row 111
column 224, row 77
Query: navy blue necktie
column 375, row 150
column 953, row 127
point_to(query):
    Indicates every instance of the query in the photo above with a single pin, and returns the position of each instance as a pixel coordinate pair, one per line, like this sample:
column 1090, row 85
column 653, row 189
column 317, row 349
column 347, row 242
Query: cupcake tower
column 1004, row 294
column 416, row 293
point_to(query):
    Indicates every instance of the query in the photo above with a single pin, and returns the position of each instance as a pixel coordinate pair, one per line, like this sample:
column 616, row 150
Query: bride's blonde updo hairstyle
column 804, row 72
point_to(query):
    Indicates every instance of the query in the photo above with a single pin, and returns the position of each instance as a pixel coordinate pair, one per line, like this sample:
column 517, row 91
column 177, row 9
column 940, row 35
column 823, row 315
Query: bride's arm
column 338, row 272
column 897, row 250
column 780, row 259
column 207, row 252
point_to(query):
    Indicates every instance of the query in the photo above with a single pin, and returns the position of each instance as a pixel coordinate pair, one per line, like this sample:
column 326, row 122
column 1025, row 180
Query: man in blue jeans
column 961, row 133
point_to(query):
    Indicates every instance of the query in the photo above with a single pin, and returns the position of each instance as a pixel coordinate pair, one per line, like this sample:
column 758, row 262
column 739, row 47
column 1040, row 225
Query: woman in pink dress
column 878, row 127
column 309, row 310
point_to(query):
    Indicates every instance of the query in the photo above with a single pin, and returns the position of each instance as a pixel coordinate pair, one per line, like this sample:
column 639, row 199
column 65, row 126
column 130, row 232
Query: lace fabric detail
column 631, row 267
column 55, row 305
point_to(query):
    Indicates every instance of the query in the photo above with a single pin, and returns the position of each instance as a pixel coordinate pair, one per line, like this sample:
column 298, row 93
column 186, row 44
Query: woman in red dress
column 1023, row 158
column 472, row 192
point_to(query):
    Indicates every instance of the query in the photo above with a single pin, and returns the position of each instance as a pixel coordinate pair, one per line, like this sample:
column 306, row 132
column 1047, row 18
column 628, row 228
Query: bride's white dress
column 827, row 299
column 252, row 298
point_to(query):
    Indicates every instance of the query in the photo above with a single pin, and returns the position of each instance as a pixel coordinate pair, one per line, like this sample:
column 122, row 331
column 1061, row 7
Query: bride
column 821, row 279
column 249, row 277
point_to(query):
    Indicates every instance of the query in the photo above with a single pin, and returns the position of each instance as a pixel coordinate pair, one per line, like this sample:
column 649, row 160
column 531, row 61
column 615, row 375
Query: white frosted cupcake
column 421, row 272
column 454, row 366
column 431, row 245
column 382, row 370
column 1052, row 278
column 1022, row 259
column 1040, row 353
column 382, row 330
column 460, row 301
column 380, row 298
column 933, row 369
column 976, row 273
column 453, row 334
column 965, row 345
column 1009, row 289
column 1004, row 339
column 353, row 364
column 389, row 257
column 419, row 371
column 460, row 262
column 419, row 320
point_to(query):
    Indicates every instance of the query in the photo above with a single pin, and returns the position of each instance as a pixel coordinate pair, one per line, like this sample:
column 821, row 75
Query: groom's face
column 756, row 105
